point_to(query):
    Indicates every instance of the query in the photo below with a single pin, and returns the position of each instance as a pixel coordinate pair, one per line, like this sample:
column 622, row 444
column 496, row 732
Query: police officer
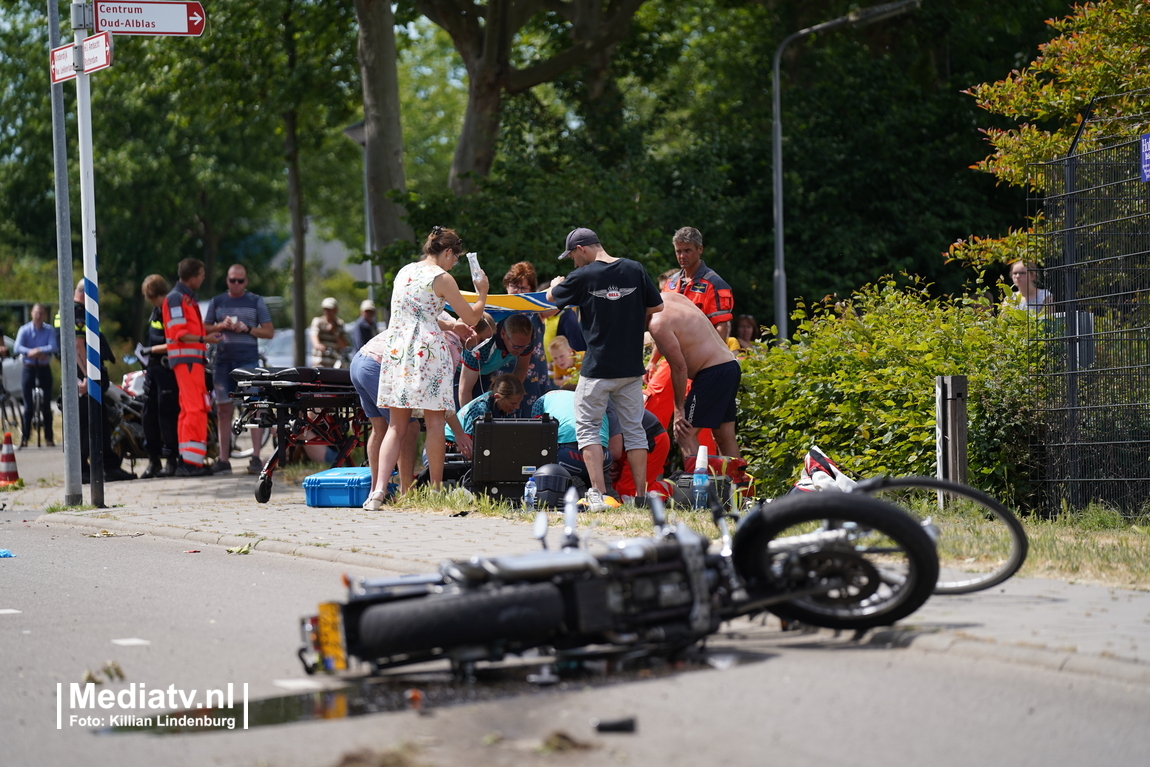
column 161, row 395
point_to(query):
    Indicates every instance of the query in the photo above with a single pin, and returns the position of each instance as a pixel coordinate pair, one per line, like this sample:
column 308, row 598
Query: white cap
column 330, row 303
column 701, row 459
column 366, row 304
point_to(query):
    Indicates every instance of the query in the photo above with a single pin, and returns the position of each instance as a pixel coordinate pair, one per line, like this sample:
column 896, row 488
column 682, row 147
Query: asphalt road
column 210, row 619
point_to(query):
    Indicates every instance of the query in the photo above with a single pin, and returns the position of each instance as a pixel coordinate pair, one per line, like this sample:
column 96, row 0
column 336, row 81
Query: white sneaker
column 594, row 500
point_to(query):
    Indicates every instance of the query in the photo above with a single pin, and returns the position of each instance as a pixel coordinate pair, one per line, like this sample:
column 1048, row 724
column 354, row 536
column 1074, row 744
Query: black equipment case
column 507, row 451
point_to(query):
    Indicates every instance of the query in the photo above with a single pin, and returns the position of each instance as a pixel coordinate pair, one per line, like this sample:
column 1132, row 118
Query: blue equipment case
column 347, row 487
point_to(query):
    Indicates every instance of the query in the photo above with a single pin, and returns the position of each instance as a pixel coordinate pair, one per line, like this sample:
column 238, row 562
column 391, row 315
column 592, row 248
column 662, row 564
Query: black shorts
column 711, row 401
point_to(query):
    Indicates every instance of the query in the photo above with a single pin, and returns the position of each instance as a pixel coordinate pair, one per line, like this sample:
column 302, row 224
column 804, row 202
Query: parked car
column 280, row 350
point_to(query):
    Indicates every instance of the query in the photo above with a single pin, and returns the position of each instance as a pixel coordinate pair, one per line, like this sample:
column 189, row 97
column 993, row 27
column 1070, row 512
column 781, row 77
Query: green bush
column 858, row 380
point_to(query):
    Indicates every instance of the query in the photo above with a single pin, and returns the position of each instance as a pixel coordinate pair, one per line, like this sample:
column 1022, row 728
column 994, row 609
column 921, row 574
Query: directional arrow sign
column 128, row 18
column 97, row 53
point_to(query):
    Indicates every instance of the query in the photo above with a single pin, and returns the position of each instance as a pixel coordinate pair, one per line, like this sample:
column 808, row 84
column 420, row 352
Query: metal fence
column 1093, row 377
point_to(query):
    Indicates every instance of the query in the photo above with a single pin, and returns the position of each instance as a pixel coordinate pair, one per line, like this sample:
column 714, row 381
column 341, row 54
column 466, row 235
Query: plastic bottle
column 700, row 480
column 529, row 495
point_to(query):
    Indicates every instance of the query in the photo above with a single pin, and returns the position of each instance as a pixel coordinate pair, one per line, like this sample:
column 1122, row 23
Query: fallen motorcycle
column 838, row 560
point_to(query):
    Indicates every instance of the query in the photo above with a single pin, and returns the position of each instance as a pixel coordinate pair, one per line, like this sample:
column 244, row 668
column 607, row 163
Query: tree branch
column 612, row 30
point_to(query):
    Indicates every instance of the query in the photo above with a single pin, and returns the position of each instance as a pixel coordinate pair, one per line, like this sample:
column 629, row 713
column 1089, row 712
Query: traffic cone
column 8, row 473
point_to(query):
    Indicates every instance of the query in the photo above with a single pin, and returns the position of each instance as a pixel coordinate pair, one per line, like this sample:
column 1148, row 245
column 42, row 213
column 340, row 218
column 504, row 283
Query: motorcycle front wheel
column 876, row 563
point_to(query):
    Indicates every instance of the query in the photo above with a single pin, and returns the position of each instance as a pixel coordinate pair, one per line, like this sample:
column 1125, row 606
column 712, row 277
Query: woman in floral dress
column 416, row 370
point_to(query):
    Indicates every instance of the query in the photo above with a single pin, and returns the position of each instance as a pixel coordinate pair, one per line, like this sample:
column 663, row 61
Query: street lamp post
column 859, row 18
column 358, row 134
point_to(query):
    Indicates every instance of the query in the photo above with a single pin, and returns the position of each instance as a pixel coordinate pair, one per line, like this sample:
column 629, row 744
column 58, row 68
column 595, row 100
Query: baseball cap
column 330, row 303
column 577, row 237
column 366, row 304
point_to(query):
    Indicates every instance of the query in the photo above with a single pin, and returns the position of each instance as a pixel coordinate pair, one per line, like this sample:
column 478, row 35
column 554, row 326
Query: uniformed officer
column 161, row 394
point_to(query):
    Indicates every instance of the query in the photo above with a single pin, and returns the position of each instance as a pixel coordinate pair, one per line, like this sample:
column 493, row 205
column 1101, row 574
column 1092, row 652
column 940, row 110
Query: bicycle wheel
column 10, row 415
column 980, row 542
column 38, row 415
column 879, row 561
column 244, row 449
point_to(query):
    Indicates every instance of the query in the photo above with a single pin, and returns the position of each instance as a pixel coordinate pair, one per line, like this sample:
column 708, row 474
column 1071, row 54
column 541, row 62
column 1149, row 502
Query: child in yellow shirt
column 565, row 361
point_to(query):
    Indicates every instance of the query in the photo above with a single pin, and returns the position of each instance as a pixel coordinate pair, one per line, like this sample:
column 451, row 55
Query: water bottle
column 699, row 481
column 529, row 495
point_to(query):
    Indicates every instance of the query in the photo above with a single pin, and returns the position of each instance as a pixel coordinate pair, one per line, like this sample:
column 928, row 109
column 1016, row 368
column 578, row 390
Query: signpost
column 148, row 18
column 106, row 17
column 96, row 55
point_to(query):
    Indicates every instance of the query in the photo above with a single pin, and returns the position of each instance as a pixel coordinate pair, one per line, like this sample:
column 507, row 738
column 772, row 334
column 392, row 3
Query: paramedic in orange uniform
column 187, row 344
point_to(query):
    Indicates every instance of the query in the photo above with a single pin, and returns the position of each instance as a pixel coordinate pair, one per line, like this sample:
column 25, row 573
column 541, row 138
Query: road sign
column 97, row 54
column 148, row 18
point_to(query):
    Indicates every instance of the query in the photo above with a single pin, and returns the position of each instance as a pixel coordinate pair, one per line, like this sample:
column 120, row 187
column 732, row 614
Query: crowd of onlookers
column 622, row 364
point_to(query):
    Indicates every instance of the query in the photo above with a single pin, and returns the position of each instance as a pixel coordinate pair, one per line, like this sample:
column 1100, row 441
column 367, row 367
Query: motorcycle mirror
column 540, row 530
column 570, row 517
column 658, row 510
column 715, row 504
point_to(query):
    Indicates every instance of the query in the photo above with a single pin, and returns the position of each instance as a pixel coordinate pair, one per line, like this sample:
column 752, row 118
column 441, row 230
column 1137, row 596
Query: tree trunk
column 295, row 200
column 479, row 137
column 383, row 134
column 485, row 49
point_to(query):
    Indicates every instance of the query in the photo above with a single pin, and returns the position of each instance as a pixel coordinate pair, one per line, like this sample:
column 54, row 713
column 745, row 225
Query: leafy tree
column 1097, row 65
column 502, row 60
column 383, row 133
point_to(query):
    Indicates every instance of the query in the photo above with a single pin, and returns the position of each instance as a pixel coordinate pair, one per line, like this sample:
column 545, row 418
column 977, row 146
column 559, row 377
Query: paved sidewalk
column 1071, row 627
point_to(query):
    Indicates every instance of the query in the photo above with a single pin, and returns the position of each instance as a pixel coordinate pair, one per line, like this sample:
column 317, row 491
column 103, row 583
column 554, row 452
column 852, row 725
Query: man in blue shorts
column 242, row 317
column 694, row 351
column 615, row 297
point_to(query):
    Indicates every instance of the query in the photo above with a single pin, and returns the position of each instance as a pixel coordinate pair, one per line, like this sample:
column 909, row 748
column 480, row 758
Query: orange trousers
column 192, row 426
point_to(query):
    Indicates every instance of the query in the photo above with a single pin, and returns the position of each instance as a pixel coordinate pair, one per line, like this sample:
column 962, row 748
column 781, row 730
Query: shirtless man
column 694, row 351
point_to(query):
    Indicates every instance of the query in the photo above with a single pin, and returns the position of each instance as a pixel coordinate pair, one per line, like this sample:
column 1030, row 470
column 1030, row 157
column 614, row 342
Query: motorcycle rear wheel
column 885, row 561
column 514, row 617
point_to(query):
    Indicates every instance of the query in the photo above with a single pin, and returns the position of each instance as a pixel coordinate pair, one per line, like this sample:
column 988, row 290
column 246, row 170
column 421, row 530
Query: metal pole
column 858, row 18
column 368, row 244
column 91, row 289
column 73, row 490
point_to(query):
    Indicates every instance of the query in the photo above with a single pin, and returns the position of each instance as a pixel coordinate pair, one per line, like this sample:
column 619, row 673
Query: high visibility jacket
column 181, row 316
column 708, row 291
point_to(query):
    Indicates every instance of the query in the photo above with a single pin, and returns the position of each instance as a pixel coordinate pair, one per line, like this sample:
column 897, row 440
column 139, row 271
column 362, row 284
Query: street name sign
column 96, row 52
column 148, row 18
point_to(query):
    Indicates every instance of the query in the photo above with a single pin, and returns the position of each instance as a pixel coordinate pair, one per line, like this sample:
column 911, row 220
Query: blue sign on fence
column 1146, row 157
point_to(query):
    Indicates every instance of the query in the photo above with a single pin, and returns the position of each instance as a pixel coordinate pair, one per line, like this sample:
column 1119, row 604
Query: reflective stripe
column 155, row 323
column 193, row 452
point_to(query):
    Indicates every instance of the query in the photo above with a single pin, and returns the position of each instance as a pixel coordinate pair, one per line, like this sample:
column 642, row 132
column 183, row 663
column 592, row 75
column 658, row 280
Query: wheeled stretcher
column 305, row 406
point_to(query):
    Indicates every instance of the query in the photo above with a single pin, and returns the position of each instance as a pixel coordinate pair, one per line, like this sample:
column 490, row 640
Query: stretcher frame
column 305, row 406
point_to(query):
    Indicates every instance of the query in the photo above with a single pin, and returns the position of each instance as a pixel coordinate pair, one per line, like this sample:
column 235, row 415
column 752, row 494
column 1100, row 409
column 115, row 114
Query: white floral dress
column 416, row 370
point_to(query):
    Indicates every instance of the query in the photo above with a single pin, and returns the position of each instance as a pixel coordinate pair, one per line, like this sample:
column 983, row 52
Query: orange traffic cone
column 8, row 473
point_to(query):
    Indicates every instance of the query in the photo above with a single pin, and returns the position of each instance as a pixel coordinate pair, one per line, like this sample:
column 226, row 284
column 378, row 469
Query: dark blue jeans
column 37, row 375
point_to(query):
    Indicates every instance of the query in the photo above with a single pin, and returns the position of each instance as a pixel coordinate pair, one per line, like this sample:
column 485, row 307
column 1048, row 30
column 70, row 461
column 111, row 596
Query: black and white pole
column 81, row 22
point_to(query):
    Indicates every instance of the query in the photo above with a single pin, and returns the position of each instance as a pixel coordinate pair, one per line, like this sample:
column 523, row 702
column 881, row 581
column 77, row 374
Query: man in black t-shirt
column 615, row 297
